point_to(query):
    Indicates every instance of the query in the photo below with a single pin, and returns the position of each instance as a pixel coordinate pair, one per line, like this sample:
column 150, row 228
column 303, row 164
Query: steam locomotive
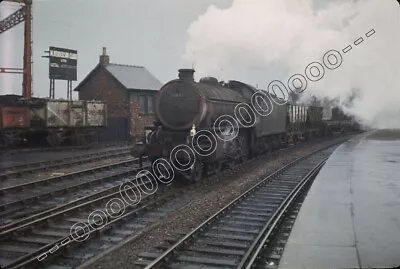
column 226, row 123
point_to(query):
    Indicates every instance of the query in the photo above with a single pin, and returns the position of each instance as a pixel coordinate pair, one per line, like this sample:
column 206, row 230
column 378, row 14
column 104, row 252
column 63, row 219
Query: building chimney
column 186, row 74
column 104, row 58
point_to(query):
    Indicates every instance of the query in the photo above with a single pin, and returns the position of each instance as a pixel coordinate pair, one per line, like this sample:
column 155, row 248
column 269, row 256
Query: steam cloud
column 258, row 41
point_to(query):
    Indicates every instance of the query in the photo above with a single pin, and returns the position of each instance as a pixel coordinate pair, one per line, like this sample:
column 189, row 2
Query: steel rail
column 53, row 212
column 254, row 250
column 12, row 205
column 55, row 179
column 38, row 257
column 23, row 169
column 7, row 151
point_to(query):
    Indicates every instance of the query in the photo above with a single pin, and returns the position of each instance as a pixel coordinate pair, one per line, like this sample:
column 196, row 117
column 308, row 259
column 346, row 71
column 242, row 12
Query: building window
column 146, row 104
column 142, row 104
column 150, row 104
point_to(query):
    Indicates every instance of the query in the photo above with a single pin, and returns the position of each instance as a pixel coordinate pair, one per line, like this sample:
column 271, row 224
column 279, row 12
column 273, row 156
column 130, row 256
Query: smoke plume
column 258, row 41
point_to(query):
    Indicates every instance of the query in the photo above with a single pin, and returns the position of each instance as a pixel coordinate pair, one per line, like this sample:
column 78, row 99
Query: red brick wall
column 120, row 102
column 101, row 86
column 139, row 122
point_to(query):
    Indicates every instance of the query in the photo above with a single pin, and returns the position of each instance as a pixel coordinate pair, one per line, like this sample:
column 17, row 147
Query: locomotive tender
column 205, row 112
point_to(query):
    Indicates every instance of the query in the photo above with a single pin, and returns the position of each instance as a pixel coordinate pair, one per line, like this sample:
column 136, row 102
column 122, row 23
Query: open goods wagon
column 337, row 121
column 50, row 122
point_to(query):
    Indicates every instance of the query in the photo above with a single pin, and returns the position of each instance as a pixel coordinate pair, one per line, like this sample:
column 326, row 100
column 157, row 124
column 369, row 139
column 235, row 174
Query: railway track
column 85, row 255
column 28, row 244
column 234, row 236
column 132, row 228
column 6, row 151
column 31, row 198
column 274, row 241
column 55, row 223
column 16, row 171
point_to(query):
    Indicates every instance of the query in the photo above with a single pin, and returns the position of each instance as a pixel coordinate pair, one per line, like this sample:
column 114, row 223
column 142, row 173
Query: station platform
column 351, row 215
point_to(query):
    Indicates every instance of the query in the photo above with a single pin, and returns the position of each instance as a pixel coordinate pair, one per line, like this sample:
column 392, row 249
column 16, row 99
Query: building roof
column 134, row 77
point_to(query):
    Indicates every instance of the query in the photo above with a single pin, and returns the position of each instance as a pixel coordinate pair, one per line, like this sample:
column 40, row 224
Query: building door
column 117, row 130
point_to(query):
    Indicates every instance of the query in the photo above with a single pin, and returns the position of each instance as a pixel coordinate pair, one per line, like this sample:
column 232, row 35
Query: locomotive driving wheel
column 217, row 167
column 241, row 150
column 196, row 171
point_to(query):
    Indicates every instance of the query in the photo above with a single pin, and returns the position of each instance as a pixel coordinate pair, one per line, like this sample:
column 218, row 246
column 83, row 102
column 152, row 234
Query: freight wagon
column 13, row 121
column 337, row 121
column 43, row 122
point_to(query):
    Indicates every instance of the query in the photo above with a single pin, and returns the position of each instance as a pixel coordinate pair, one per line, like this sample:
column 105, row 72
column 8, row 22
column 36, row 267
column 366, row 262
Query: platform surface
column 351, row 215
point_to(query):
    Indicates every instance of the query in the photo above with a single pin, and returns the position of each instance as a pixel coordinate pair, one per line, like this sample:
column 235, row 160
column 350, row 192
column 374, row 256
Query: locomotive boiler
column 182, row 103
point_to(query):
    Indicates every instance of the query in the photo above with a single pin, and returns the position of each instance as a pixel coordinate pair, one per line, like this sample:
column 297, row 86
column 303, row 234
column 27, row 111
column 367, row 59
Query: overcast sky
column 152, row 33
column 251, row 40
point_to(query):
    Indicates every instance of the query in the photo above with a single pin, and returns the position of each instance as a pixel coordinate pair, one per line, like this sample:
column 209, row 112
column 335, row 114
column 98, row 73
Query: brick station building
column 129, row 92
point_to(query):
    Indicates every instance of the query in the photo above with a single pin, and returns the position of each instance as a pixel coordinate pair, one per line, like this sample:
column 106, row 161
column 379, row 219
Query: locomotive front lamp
column 193, row 131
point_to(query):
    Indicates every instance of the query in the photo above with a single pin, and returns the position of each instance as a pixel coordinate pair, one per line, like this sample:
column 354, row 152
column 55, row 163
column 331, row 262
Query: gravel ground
column 385, row 134
column 208, row 197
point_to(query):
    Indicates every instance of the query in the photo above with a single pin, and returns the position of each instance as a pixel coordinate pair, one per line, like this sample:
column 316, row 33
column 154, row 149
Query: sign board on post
column 62, row 64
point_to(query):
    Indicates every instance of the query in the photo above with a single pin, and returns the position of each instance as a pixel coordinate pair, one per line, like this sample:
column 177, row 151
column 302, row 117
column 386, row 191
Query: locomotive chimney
column 104, row 58
column 186, row 74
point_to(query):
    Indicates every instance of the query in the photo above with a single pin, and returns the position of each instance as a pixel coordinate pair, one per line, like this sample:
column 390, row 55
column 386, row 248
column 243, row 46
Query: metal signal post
column 23, row 14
